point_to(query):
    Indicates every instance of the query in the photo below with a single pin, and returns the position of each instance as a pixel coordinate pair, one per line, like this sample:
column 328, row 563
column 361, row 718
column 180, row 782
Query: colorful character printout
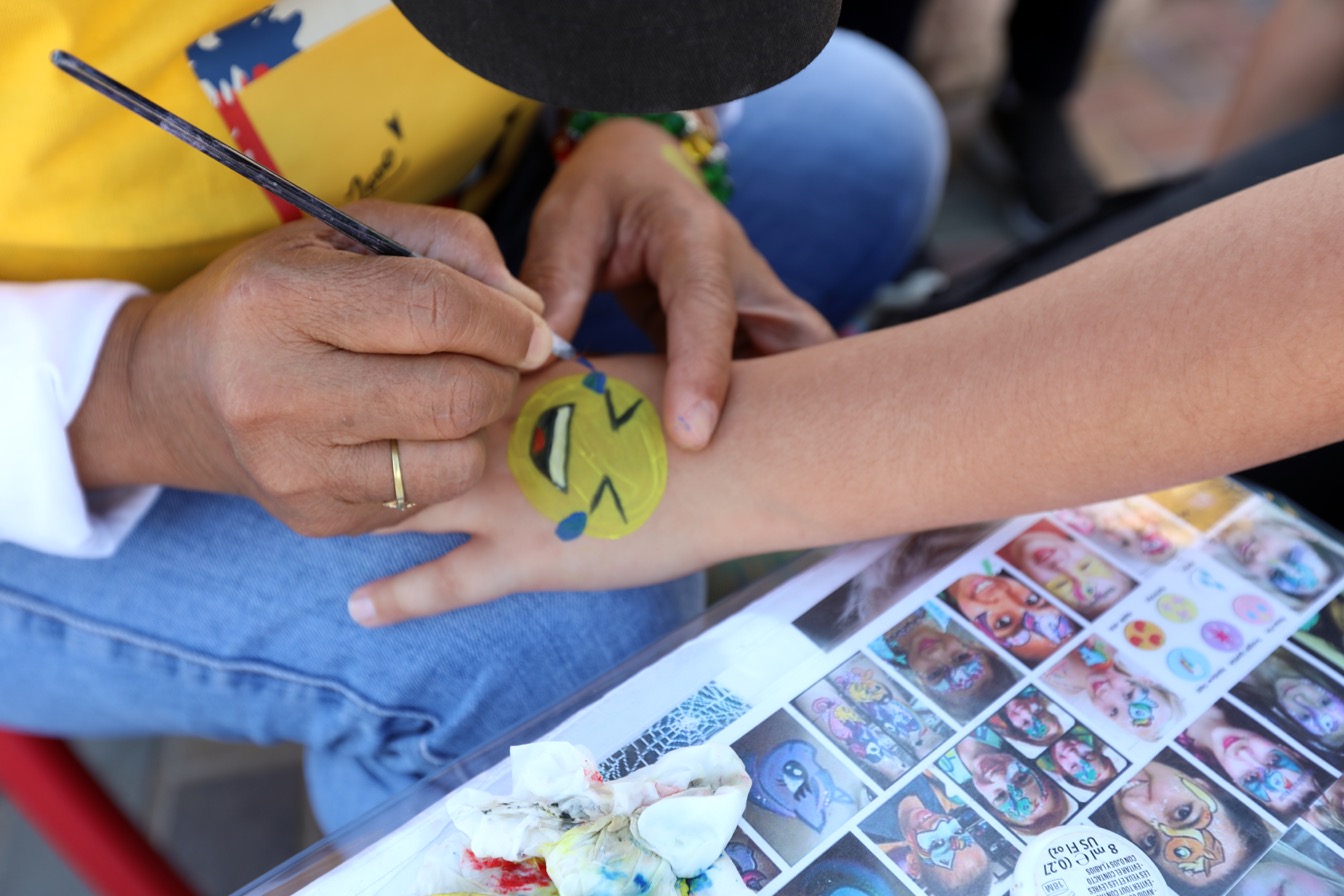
column 800, row 792
column 1131, row 528
column 1306, row 702
column 938, row 841
column 1083, row 580
column 1021, row 796
column 1258, row 763
column 1082, row 761
column 864, row 741
column 1201, row 837
column 1092, row 679
column 1282, row 556
column 1202, row 504
column 958, row 673
column 751, row 862
column 846, row 869
column 588, row 452
column 1010, row 614
column 877, row 697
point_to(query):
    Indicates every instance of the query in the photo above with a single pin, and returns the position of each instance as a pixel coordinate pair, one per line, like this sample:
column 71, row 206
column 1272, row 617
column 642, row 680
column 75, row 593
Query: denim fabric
column 215, row 620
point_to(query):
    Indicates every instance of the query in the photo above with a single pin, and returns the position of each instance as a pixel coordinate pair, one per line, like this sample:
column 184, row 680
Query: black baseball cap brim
column 632, row 56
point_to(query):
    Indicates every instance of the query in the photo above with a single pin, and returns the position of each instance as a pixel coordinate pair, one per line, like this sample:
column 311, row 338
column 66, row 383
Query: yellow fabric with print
column 367, row 107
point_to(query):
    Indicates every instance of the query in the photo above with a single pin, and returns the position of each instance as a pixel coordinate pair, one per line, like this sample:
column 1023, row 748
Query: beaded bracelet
column 698, row 143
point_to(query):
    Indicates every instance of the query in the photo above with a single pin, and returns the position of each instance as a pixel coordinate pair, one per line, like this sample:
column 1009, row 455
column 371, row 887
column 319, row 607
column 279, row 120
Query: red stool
column 58, row 796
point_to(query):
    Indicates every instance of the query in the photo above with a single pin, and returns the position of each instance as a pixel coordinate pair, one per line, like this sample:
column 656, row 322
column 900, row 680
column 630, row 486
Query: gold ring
column 399, row 502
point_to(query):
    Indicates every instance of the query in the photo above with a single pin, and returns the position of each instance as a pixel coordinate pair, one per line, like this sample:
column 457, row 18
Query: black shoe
column 1050, row 174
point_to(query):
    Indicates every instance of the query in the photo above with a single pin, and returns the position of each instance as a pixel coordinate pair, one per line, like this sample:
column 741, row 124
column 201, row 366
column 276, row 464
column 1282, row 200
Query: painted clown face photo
column 588, row 452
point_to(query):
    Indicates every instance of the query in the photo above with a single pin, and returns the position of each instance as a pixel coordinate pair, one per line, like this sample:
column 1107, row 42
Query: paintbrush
column 378, row 243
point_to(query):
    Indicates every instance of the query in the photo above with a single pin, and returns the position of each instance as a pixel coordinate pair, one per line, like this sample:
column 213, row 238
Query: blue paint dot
column 642, row 883
column 572, row 526
column 596, row 381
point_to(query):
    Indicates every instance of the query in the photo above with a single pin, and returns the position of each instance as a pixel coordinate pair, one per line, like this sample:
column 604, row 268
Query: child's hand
column 514, row 547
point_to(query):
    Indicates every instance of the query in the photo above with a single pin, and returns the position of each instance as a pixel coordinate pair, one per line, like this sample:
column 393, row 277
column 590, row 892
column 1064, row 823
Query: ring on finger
column 398, row 503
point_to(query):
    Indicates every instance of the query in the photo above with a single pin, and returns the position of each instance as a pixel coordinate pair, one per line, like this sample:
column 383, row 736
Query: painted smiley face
column 588, row 452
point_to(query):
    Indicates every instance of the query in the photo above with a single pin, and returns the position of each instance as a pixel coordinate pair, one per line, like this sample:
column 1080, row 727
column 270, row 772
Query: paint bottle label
column 1084, row 860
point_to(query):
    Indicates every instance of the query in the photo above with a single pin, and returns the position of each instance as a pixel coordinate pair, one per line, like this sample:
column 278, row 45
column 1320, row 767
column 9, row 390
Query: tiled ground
column 1159, row 77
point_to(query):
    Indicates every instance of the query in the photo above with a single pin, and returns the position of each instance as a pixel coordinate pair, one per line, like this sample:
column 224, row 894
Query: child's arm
column 1210, row 344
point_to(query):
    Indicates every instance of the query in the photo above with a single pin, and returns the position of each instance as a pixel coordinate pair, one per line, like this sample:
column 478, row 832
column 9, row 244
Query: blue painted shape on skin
column 642, row 883
column 572, row 526
column 596, row 381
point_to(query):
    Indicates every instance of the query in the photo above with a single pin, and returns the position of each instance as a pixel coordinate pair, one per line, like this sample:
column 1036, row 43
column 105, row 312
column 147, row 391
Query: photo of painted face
column 944, row 661
column 1326, row 815
column 1092, row 679
column 848, row 868
column 938, row 841
column 1082, row 761
column 1202, row 504
column 1259, row 764
column 1013, row 616
column 1011, row 788
column 880, row 585
column 752, row 864
column 1295, row 865
column 800, row 792
column 1299, row 698
column 1323, row 634
column 877, row 753
column 1200, row 836
column 1031, row 719
column 1284, row 557
column 875, row 696
column 1071, row 571
column 1131, row 528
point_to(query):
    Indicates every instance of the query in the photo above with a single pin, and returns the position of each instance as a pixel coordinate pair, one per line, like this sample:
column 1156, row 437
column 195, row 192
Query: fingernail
column 696, row 425
column 539, row 349
column 361, row 608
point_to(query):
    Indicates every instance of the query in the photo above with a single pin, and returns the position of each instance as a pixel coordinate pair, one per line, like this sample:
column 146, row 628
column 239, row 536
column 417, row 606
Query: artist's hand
column 626, row 211
column 282, row 371
column 515, row 548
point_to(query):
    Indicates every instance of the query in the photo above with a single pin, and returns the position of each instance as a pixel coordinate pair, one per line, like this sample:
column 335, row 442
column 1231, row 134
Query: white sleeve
column 50, row 337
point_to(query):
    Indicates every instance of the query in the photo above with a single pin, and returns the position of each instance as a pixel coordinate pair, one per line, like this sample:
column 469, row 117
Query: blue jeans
column 215, row 620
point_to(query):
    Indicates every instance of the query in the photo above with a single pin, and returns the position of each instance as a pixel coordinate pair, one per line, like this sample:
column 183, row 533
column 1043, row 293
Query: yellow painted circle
column 588, row 452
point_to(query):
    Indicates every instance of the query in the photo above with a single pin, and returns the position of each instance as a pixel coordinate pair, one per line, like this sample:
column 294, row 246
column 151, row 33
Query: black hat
column 628, row 55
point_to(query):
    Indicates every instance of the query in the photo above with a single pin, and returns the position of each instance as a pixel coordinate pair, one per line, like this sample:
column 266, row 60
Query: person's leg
column 214, row 620
column 837, row 174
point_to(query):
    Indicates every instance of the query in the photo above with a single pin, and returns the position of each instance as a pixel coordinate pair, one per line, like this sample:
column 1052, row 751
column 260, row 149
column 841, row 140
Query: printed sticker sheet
column 913, row 712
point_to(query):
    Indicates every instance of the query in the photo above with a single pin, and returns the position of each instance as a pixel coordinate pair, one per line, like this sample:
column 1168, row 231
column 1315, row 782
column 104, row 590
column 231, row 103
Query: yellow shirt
column 343, row 97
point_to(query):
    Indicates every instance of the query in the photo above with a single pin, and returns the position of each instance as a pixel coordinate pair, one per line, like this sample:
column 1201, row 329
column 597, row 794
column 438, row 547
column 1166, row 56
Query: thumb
column 470, row 574
column 565, row 248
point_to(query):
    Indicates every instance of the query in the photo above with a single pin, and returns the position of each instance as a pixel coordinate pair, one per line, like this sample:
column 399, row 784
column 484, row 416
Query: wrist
column 110, row 437
column 694, row 133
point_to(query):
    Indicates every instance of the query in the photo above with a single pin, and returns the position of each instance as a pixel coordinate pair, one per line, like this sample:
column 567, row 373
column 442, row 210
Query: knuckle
column 472, row 394
column 467, row 466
